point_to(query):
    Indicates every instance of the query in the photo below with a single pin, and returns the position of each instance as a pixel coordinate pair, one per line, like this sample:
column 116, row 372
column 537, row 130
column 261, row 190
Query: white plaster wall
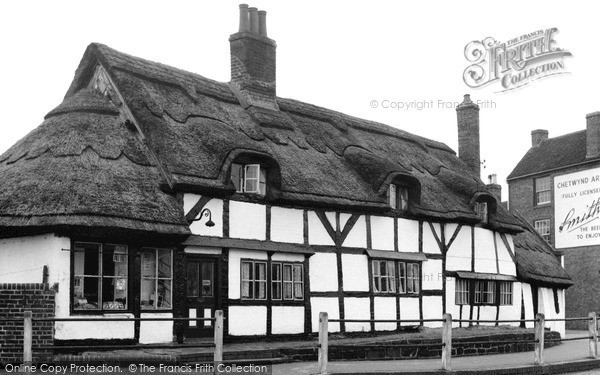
column 286, row 257
column 287, row 319
column 323, row 272
column 485, row 313
column 287, row 225
column 507, row 266
column 216, row 209
column 458, row 257
column 355, row 269
column 546, row 307
column 357, row 308
column 432, row 274
column 528, row 301
column 512, row 311
column 156, row 332
column 385, row 308
column 95, row 330
column 328, row 305
column 382, row 233
column 247, row 220
column 451, row 308
column 317, row 234
column 485, row 253
column 409, row 309
column 202, row 250
column 408, row 235
column 247, row 320
column 432, row 309
column 430, row 245
column 234, row 268
column 358, row 235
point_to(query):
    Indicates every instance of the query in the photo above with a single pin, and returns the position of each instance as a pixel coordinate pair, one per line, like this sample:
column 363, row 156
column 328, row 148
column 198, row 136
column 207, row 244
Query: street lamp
column 205, row 212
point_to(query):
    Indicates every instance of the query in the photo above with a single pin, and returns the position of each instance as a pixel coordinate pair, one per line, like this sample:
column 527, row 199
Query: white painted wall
column 329, row 305
column 287, row 225
column 485, row 253
column 240, row 316
column 433, row 309
column 432, row 274
column 512, row 311
column 485, row 313
column 156, row 332
column 408, row 235
column 355, row 270
column 287, row 319
column 382, row 233
column 235, row 255
column 95, row 330
column 546, row 307
column 528, row 301
column 409, row 309
column 323, row 272
column 216, row 209
column 286, row 257
column 430, row 244
column 507, row 266
column 358, row 235
column 317, row 234
column 247, row 220
column 458, row 257
column 357, row 308
column 385, row 308
column 203, row 250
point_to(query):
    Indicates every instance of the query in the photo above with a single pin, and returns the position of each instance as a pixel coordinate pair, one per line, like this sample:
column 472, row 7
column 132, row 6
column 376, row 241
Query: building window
column 398, row 196
column 542, row 190
column 484, row 292
column 461, row 293
column 157, row 279
column 99, row 276
column 482, row 211
column 412, row 278
column 506, row 293
column 543, row 228
column 291, row 282
column 384, row 276
column 249, row 178
column 254, row 280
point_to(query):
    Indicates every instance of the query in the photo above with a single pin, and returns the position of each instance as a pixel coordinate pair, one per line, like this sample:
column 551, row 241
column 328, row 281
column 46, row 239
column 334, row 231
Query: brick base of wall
column 15, row 299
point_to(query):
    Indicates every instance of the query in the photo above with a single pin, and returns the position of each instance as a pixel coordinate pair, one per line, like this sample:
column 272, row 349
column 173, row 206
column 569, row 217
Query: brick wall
column 14, row 300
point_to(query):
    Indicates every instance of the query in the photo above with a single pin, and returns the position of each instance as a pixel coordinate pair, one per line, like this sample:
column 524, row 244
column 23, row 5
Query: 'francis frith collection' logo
column 515, row 63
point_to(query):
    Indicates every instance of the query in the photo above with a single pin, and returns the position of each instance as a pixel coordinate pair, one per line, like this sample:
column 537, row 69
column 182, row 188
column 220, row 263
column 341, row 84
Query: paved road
column 567, row 351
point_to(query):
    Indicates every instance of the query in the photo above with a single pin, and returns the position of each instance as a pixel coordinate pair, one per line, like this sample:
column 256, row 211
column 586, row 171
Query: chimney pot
column 493, row 178
column 537, row 136
column 244, row 21
column 467, row 114
column 253, row 20
column 592, row 134
column 262, row 23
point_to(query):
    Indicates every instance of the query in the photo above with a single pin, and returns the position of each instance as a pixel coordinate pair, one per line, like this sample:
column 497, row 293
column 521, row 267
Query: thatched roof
column 86, row 166
column 553, row 153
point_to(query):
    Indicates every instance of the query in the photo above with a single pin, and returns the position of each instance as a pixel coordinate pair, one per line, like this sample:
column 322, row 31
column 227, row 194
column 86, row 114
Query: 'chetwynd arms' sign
column 577, row 209
column 515, row 63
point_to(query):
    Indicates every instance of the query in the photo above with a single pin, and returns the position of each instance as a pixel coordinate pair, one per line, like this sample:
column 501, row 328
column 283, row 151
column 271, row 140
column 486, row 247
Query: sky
column 356, row 57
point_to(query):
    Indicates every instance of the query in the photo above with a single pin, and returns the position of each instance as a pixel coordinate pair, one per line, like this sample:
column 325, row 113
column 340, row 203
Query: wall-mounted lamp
column 205, row 212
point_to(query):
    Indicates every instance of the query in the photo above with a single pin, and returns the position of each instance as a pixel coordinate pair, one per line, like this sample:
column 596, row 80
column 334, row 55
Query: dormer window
column 249, row 178
column 398, row 196
column 482, row 211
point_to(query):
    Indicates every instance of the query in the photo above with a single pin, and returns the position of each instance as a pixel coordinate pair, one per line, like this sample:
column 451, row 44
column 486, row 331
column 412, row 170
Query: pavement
column 569, row 357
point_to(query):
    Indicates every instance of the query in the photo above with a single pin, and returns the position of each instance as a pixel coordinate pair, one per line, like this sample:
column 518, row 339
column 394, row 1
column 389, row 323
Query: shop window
column 99, row 276
column 543, row 190
column 249, row 178
column 157, row 279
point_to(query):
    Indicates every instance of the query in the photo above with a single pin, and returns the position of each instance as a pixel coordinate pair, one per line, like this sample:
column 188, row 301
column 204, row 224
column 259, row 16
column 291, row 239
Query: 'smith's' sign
column 577, row 209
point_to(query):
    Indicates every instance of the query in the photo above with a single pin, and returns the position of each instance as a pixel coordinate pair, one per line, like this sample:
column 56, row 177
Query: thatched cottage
column 152, row 191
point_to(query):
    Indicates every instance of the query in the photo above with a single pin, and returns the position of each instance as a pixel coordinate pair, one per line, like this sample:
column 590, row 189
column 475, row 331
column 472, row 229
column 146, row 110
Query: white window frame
column 461, row 291
column 253, row 281
column 156, row 278
column 389, row 279
column 543, row 190
column 506, row 293
column 397, row 196
column 543, row 228
column 485, row 292
column 482, row 211
column 243, row 181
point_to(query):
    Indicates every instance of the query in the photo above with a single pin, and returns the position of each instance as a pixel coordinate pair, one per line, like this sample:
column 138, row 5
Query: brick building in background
column 556, row 188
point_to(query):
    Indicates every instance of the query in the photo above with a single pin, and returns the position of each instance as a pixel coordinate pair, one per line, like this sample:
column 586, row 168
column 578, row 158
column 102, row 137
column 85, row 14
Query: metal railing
column 446, row 342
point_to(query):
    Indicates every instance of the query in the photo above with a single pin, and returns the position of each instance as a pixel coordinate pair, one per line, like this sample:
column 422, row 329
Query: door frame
column 217, row 260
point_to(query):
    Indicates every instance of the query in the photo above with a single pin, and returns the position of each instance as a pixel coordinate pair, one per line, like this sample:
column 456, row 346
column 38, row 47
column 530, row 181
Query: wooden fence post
column 218, row 356
column 27, row 338
column 593, row 333
column 538, row 352
column 447, row 341
column 323, row 342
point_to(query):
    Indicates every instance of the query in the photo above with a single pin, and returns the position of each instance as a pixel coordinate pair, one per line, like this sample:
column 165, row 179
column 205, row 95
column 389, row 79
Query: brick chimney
column 592, row 134
column 537, row 136
column 494, row 187
column 468, row 133
column 253, row 61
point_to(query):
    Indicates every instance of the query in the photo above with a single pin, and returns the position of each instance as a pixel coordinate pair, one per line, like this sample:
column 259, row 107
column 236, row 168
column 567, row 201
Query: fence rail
column 446, row 343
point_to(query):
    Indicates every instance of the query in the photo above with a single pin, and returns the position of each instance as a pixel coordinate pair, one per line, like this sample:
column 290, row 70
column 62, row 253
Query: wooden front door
column 201, row 295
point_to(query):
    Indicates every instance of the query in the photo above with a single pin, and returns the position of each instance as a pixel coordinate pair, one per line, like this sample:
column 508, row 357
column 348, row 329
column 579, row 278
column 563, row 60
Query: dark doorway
column 201, row 294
